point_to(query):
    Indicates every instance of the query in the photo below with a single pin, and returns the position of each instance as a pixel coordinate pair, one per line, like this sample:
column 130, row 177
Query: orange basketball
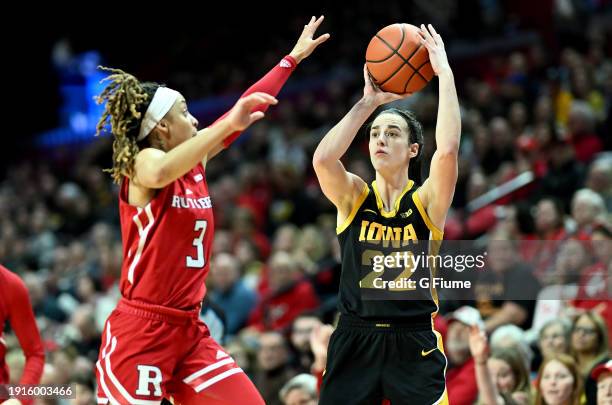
column 397, row 61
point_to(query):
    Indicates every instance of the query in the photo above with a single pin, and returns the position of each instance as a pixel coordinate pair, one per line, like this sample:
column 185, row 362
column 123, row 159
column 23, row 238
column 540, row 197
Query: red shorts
column 150, row 352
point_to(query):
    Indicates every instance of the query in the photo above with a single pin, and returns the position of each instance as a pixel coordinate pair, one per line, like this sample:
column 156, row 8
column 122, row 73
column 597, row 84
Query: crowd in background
column 275, row 262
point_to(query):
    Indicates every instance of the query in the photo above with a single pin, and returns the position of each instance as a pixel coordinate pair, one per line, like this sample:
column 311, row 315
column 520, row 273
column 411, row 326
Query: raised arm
column 438, row 190
column 341, row 187
column 273, row 81
column 479, row 348
column 155, row 168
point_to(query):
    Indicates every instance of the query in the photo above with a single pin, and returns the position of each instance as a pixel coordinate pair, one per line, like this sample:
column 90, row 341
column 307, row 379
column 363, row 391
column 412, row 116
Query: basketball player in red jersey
column 15, row 308
column 153, row 344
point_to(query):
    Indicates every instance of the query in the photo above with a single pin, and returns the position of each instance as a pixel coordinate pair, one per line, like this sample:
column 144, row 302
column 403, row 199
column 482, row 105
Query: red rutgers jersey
column 166, row 245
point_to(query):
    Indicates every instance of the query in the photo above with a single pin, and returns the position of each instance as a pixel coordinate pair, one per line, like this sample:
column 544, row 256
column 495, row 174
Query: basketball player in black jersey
column 387, row 349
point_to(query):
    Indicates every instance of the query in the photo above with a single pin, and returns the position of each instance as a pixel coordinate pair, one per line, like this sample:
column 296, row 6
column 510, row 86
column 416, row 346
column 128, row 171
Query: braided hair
column 126, row 101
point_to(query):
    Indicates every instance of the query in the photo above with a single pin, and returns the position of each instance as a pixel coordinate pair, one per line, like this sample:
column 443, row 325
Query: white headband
column 163, row 100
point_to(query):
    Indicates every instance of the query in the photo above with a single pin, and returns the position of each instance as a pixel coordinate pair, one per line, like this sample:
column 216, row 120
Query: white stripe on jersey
column 142, row 233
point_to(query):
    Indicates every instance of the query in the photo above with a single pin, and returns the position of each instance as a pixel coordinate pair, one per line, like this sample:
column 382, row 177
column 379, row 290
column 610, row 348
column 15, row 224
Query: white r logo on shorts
column 149, row 375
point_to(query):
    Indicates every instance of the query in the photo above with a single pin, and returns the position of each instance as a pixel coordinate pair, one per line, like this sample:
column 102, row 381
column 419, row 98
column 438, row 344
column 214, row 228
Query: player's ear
column 160, row 136
column 414, row 150
column 162, row 128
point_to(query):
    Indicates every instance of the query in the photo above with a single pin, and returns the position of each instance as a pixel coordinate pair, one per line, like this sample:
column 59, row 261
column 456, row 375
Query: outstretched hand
column 373, row 94
column 306, row 44
column 435, row 46
column 242, row 114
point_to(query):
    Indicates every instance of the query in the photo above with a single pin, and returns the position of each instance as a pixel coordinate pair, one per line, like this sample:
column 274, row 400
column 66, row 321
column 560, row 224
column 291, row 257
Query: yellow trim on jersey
column 444, row 398
column 435, row 232
column 356, row 207
column 390, row 214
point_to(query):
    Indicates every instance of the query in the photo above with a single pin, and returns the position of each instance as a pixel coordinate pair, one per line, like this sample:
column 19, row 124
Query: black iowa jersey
column 384, row 258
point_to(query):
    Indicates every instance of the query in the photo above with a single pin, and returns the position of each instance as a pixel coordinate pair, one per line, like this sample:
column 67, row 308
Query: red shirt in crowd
column 278, row 310
column 461, row 384
column 586, row 146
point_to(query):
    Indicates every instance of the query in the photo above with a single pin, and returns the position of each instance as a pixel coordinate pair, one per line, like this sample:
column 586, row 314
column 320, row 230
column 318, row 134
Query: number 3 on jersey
column 199, row 261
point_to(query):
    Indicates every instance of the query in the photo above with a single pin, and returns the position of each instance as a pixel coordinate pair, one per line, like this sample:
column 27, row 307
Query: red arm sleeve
column 271, row 83
column 21, row 318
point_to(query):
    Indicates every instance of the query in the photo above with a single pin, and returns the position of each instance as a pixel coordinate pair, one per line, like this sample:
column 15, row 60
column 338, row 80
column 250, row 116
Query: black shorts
column 369, row 361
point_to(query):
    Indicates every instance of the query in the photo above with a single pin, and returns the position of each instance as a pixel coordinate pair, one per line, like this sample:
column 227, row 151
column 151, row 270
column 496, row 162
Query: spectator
column 554, row 337
column 300, row 390
column 565, row 174
column 588, row 207
column 502, row 377
column 505, row 291
column 603, row 375
column 589, row 342
column 549, row 229
column 558, row 382
column 301, row 330
column 273, row 366
column 599, row 179
column 85, row 337
column 288, row 296
column 595, row 287
column 581, row 125
column 230, row 293
column 511, row 337
column 460, row 382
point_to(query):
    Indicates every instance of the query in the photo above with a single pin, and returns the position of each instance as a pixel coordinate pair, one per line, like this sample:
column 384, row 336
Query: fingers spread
column 322, row 39
column 318, row 22
column 427, row 35
column 257, row 115
column 437, row 38
column 432, row 30
column 312, row 26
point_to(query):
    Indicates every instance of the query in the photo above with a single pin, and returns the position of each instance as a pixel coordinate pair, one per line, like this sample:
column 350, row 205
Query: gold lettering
column 364, row 226
column 375, row 233
column 392, row 234
column 409, row 235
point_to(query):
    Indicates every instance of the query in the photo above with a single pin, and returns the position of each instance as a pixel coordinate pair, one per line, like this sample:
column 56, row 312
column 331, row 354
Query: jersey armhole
column 436, row 233
column 124, row 194
column 358, row 203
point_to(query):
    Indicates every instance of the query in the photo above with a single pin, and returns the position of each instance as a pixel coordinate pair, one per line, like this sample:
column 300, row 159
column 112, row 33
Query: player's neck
column 390, row 186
